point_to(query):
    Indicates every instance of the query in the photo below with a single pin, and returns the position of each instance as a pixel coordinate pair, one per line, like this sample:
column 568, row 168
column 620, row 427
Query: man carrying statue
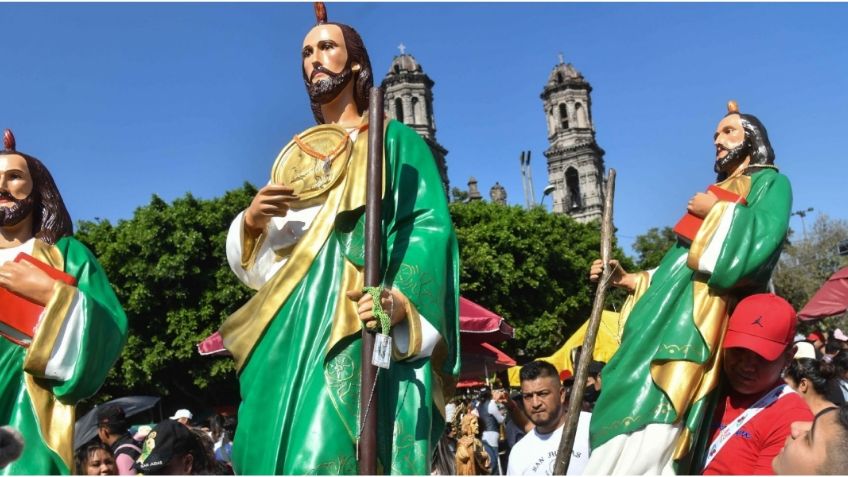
column 60, row 335
column 300, row 243
column 660, row 387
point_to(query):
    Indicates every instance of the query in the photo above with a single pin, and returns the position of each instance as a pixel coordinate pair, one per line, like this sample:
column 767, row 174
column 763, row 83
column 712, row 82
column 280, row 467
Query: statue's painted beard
column 325, row 90
column 733, row 158
column 17, row 212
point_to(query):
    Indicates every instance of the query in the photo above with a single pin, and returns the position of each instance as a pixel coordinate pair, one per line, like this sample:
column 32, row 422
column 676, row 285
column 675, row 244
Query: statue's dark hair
column 50, row 218
column 757, row 136
column 363, row 79
column 538, row 369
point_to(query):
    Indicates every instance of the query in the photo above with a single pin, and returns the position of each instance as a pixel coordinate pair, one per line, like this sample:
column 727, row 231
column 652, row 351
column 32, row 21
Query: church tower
column 575, row 161
column 409, row 99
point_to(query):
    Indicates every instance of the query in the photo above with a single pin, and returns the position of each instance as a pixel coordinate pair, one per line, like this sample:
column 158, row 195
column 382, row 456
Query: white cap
column 805, row 350
column 182, row 413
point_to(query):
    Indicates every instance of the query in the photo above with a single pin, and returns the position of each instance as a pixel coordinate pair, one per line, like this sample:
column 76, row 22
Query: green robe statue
column 668, row 366
column 81, row 333
column 297, row 341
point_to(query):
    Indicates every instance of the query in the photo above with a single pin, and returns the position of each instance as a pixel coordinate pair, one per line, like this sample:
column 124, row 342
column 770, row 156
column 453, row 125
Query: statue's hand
column 701, row 203
column 271, row 201
column 393, row 302
column 619, row 278
column 27, row 280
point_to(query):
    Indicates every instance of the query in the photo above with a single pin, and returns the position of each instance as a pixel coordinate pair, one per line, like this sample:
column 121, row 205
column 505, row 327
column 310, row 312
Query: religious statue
column 62, row 325
column 660, row 385
column 300, row 244
column 498, row 194
column 471, row 457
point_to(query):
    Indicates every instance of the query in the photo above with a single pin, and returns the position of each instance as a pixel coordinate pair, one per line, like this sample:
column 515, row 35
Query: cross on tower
column 402, row 48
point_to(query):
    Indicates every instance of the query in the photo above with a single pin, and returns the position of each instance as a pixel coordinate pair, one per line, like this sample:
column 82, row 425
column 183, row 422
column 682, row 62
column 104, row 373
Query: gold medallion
column 313, row 162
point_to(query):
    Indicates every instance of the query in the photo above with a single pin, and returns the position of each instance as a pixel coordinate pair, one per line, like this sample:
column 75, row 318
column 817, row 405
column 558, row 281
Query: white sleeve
column 64, row 354
column 495, row 411
column 282, row 233
column 429, row 337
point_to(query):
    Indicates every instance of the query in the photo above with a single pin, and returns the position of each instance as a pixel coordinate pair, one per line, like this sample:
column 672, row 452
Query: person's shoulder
column 786, row 410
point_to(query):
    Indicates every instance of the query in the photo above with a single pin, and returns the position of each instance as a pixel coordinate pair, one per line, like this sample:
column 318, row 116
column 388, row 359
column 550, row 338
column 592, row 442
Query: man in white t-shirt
column 544, row 404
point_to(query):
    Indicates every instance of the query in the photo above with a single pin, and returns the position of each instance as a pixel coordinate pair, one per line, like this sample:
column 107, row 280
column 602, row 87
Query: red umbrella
column 831, row 299
column 470, row 383
column 482, row 359
column 479, row 325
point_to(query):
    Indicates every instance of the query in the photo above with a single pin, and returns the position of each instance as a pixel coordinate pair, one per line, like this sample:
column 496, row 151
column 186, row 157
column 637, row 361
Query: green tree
column 806, row 263
column 529, row 266
column 169, row 269
column 651, row 246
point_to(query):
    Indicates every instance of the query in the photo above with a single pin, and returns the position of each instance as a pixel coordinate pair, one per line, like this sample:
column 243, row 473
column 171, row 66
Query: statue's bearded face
column 16, row 201
column 325, row 63
column 731, row 147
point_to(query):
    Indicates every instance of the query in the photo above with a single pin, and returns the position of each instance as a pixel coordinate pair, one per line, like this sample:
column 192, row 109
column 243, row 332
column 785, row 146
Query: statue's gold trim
column 643, row 281
column 739, row 185
column 249, row 246
column 55, row 419
column 346, row 317
column 52, row 319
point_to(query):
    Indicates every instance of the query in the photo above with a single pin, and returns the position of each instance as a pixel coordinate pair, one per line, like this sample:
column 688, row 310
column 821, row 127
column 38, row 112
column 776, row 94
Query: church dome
column 565, row 73
column 404, row 63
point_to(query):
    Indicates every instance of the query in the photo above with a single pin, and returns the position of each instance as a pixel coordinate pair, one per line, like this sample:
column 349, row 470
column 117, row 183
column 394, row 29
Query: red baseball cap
column 816, row 336
column 763, row 323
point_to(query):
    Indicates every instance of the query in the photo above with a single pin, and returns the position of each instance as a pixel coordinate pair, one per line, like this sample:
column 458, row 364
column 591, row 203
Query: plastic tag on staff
column 382, row 356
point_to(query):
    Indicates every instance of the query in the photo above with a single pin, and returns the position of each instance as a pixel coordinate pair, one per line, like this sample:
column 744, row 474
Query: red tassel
column 8, row 140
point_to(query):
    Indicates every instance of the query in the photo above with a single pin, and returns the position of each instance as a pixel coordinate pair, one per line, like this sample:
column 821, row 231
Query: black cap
column 167, row 440
column 111, row 416
column 595, row 367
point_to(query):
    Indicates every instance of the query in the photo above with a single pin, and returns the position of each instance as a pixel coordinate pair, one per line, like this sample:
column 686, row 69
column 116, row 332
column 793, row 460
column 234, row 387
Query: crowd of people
column 780, row 409
column 174, row 446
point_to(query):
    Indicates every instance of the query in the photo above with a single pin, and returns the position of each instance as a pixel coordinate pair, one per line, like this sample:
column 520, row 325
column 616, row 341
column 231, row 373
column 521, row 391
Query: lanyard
column 756, row 408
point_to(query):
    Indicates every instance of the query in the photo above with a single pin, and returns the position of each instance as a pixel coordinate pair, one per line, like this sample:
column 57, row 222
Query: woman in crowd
column 811, row 378
column 95, row 458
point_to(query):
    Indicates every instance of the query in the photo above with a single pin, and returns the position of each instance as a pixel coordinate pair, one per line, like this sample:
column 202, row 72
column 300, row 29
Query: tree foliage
column 651, row 246
column 169, row 269
column 530, row 267
column 807, row 262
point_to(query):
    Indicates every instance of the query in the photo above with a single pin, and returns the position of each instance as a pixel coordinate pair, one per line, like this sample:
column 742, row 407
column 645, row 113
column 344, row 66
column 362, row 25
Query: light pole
column 802, row 214
column 546, row 192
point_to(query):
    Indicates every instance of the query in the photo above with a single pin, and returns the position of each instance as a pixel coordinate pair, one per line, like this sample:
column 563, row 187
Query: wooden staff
column 566, row 443
column 367, row 451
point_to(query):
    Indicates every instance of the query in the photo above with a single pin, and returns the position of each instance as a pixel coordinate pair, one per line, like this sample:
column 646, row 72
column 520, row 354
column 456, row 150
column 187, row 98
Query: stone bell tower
column 409, row 99
column 575, row 161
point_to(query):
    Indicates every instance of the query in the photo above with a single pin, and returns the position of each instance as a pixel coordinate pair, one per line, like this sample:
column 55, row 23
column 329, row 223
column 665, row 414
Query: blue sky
column 122, row 101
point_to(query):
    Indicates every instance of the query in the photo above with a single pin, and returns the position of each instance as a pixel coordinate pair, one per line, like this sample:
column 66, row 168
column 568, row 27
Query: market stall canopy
column 483, row 359
column 476, row 325
column 830, row 300
column 607, row 342
column 479, row 325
